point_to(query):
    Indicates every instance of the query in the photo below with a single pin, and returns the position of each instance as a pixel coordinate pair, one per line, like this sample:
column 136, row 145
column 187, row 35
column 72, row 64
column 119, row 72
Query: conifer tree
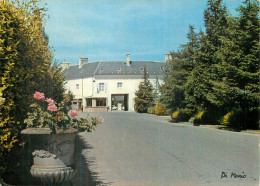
column 200, row 86
column 247, row 88
column 177, row 72
column 237, row 90
column 144, row 95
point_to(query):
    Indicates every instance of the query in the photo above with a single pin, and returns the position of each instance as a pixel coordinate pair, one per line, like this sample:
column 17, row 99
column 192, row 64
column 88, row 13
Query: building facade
column 108, row 85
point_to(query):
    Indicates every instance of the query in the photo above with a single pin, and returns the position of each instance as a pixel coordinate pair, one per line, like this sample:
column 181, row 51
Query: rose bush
column 45, row 114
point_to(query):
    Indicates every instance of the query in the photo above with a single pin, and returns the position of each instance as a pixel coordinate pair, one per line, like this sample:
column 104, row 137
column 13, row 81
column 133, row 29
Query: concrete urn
column 52, row 154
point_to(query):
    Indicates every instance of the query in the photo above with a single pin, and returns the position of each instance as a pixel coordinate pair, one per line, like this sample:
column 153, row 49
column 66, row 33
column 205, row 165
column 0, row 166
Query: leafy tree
column 54, row 84
column 144, row 95
column 226, row 76
column 246, row 90
column 25, row 68
column 172, row 89
column 178, row 70
column 200, row 86
column 218, row 72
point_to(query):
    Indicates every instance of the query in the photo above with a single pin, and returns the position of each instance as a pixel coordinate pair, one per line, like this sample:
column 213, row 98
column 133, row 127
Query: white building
column 108, row 85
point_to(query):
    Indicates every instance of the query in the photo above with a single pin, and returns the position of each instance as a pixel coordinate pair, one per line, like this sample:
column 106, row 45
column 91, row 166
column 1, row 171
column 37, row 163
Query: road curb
column 216, row 128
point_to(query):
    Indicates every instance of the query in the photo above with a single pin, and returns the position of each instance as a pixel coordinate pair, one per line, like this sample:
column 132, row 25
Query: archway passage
column 119, row 102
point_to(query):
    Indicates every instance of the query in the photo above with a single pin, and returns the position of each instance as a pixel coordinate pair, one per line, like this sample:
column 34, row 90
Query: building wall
column 71, row 85
column 90, row 87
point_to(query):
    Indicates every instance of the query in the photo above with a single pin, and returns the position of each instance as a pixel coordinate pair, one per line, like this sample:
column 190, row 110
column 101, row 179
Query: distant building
column 108, row 85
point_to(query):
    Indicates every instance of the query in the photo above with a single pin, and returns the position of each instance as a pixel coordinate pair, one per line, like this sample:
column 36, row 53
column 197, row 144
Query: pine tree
column 226, row 75
column 238, row 90
column 247, row 90
column 177, row 72
column 144, row 95
column 200, row 87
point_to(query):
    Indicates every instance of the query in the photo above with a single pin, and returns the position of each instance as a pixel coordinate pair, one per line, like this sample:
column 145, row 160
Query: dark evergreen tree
column 237, row 90
column 200, row 87
column 218, row 71
column 247, row 88
column 144, row 95
column 177, row 72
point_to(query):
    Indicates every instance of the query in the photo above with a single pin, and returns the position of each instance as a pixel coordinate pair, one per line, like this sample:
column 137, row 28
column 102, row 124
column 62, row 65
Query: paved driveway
column 143, row 149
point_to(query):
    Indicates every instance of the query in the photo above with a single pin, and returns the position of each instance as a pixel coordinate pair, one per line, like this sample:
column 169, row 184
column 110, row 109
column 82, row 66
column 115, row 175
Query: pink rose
column 50, row 101
column 73, row 113
column 101, row 119
column 39, row 96
column 52, row 108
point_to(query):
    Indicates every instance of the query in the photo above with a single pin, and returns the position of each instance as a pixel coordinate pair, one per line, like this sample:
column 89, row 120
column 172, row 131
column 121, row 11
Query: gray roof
column 113, row 68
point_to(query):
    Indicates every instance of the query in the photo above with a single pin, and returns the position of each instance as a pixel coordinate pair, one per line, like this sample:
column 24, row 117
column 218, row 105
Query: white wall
column 130, row 85
column 71, row 85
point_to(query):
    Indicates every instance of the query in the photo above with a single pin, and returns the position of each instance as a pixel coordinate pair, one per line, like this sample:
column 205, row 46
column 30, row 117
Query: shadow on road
column 84, row 176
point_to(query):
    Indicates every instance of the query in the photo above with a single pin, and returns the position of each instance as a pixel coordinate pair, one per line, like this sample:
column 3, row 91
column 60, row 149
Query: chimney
column 82, row 61
column 64, row 65
column 128, row 62
column 168, row 57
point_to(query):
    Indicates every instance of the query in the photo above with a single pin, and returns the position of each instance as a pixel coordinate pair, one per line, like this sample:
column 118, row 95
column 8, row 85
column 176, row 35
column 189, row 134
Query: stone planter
column 52, row 155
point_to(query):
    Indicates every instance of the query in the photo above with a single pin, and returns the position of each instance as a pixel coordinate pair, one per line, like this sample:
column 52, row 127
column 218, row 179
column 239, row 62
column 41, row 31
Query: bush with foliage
column 2, row 100
column 182, row 115
column 151, row 110
column 218, row 70
column 226, row 119
column 199, row 117
column 185, row 114
column 239, row 120
column 67, row 100
column 45, row 114
column 175, row 116
column 160, row 110
column 25, row 67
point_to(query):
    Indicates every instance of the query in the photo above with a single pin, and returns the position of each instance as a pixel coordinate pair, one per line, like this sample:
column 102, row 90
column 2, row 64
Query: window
column 89, row 102
column 119, row 69
column 142, row 69
column 101, row 69
column 77, row 86
column 101, row 86
column 119, row 84
column 101, row 102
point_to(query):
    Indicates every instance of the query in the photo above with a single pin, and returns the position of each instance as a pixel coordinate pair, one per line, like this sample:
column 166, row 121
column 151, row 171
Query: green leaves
column 25, row 62
column 178, row 71
column 217, row 71
column 145, row 96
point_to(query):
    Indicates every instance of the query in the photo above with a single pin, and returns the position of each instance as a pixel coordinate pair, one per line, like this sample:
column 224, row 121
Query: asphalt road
column 143, row 149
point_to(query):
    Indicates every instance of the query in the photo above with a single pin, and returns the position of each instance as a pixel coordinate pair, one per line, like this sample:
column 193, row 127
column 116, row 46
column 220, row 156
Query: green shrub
column 25, row 67
column 191, row 120
column 199, row 117
column 175, row 116
column 160, row 110
column 207, row 117
column 185, row 114
column 182, row 115
column 151, row 110
column 226, row 119
column 241, row 120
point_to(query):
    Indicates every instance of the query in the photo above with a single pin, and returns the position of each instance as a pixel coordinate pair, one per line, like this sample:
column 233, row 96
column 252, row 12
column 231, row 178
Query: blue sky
column 105, row 30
